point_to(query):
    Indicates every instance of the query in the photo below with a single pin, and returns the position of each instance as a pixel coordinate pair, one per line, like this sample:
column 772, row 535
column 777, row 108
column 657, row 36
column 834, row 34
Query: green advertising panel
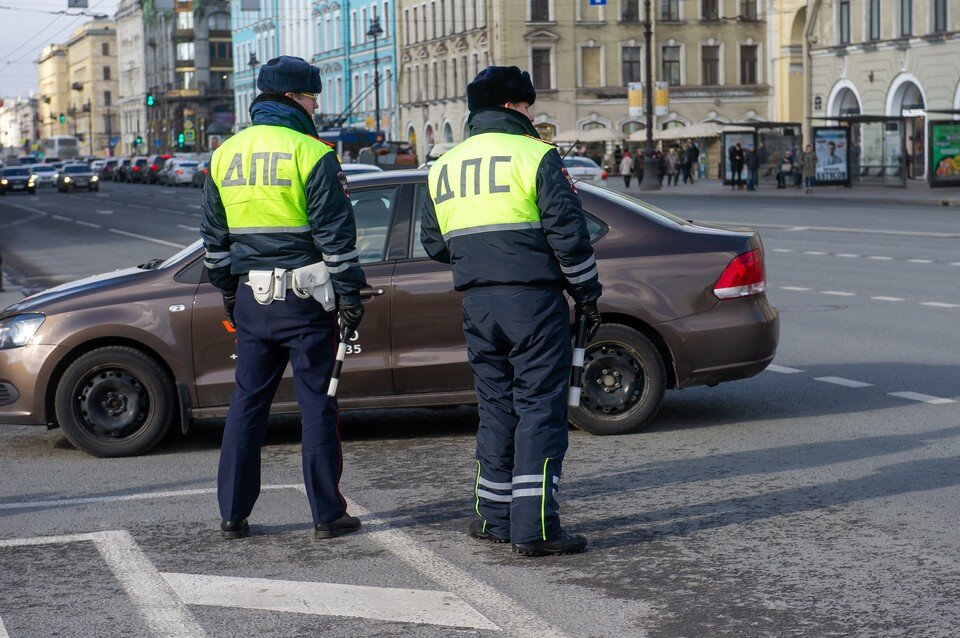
column 945, row 153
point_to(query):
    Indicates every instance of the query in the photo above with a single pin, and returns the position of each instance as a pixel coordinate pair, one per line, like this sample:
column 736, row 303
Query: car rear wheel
column 623, row 382
column 115, row 401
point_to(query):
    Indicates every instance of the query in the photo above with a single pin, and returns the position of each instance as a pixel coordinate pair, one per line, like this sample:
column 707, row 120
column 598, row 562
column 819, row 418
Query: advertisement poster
column 945, row 153
column 730, row 139
column 831, row 145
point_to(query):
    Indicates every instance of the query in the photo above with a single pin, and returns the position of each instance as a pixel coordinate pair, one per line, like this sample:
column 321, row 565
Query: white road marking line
column 105, row 212
column 196, row 214
column 164, row 613
column 848, row 255
column 838, row 293
column 141, row 496
column 955, row 263
column 813, row 252
column 849, row 383
column 162, row 242
column 140, row 206
column 194, row 228
column 883, row 298
column 880, row 257
column 796, row 228
column 61, row 218
column 88, row 224
column 329, row 599
column 782, row 369
column 834, row 229
column 925, row 398
column 796, row 288
column 513, row 619
column 3, row 630
column 939, row 304
column 783, row 250
column 920, row 261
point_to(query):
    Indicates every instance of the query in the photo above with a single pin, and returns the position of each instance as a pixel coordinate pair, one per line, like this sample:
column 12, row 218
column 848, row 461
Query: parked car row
column 65, row 176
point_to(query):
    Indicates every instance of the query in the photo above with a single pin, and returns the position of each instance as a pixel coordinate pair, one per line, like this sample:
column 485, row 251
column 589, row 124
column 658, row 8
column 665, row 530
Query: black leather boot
column 343, row 525
column 232, row 531
column 564, row 543
column 478, row 531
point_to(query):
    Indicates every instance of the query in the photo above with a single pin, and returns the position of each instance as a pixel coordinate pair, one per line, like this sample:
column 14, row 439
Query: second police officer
column 503, row 211
column 280, row 239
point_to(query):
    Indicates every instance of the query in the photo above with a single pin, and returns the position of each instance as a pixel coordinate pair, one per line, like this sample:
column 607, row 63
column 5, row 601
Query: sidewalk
column 10, row 294
column 915, row 194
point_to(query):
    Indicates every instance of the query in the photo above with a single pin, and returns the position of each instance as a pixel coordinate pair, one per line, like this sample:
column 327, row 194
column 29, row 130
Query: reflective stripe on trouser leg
column 493, row 379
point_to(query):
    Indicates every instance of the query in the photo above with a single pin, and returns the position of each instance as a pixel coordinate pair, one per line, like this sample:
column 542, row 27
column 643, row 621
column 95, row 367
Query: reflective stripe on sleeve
column 344, row 257
column 590, row 274
column 460, row 232
column 569, row 270
column 256, row 230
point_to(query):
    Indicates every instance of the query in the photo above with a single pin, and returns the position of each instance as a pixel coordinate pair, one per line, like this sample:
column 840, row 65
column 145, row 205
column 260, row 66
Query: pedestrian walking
column 752, row 163
column 618, row 154
column 785, row 169
column 808, row 168
column 670, row 169
column 736, row 158
column 517, row 239
column 626, row 168
column 280, row 239
column 683, row 163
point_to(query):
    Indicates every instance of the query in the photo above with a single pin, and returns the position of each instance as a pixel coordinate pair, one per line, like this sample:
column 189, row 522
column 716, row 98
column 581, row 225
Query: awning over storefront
column 588, row 137
column 700, row 130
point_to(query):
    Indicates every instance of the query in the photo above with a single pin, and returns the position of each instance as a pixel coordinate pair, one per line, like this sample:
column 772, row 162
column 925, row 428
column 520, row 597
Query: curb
column 831, row 199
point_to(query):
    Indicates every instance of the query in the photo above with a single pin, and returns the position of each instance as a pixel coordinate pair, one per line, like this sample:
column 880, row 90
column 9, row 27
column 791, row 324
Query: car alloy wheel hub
column 112, row 404
column 613, row 380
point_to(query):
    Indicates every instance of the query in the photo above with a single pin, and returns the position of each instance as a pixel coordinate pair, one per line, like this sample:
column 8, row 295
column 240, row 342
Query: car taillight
column 603, row 175
column 204, row 171
column 136, row 169
column 179, row 171
column 154, row 167
column 742, row 277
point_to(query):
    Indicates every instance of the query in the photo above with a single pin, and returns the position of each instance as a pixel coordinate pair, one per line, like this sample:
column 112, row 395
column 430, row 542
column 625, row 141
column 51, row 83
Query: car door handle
column 370, row 293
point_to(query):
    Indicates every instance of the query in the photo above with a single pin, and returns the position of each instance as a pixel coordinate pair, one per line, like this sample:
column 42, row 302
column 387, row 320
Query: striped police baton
column 338, row 366
column 576, row 370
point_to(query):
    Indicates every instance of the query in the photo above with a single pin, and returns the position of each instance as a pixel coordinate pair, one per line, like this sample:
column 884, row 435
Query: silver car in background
column 584, row 169
column 45, row 174
column 179, row 171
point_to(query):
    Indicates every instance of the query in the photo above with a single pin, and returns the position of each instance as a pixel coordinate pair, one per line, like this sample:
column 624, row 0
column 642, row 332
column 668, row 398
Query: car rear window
column 41, row 168
column 635, row 205
column 75, row 169
column 579, row 162
column 141, row 162
column 188, row 164
column 16, row 172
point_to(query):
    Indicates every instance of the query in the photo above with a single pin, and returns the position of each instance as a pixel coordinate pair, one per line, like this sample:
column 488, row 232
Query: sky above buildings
column 25, row 30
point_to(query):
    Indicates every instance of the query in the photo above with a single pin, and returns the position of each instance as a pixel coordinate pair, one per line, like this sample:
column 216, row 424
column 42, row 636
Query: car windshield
column 16, row 172
column 181, row 256
column 632, row 204
column 44, row 168
column 76, row 168
column 579, row 162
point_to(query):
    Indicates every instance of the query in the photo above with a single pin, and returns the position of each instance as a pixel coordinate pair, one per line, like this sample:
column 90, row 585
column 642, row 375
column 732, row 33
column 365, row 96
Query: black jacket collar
column 497, row 119
column 279, row 110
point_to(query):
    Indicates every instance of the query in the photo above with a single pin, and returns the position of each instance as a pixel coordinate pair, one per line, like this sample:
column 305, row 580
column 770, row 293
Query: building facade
column 255, row 41
column 94, row 115
column 189, row 76
column 53, row 97
column 893, row 63
column 19, row 124
column 442, row 44
column 131, row 101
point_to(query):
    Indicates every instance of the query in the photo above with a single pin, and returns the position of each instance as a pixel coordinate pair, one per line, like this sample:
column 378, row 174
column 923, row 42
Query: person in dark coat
column 752, row 162
column 735, row 155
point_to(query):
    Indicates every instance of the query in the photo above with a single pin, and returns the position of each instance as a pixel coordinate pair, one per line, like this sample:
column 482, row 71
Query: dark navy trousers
column 518, row 339
column 301, row 332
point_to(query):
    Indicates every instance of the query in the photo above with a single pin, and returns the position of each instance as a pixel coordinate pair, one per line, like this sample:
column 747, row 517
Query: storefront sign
column 832, row 146
column 944, row 153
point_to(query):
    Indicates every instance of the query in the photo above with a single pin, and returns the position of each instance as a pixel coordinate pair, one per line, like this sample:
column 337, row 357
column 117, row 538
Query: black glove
column 350, row 311
column 590, row 311
column 229, row 303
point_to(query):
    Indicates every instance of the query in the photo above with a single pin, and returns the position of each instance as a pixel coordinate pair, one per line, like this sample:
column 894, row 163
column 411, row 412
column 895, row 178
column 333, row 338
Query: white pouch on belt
column 314, row 280
column 262, row 283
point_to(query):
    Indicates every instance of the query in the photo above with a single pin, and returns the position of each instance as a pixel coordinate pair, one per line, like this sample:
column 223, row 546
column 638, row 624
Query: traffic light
column 63, row 118
column 138, row 141
column 150, row 99
column 180, row 140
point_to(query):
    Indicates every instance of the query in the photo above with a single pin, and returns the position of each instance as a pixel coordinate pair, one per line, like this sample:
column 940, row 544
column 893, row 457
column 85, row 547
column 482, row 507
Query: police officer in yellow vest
column 280, row 240
column 503, row 211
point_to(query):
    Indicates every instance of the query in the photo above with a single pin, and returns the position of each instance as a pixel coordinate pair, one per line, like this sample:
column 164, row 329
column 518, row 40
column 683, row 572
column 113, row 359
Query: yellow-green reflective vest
column 260, row 173
column 487, row 183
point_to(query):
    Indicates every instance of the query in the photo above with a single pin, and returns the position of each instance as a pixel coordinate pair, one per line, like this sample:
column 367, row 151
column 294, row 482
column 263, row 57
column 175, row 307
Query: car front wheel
column 115, row 401
column 624, row 379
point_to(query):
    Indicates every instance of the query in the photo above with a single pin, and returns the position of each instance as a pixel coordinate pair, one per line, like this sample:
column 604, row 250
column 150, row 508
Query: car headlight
column 3, row 181
column 55, row 176
column 94, row 179
column 66, row 179
column 16, row 331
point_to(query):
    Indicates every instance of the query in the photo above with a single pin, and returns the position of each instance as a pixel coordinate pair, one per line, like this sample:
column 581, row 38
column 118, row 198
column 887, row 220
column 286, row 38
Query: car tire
column 115, row 401
column 624, row 380
column 32, row 191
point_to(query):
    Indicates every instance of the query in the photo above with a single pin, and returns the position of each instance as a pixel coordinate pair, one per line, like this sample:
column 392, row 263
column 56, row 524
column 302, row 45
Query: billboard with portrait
column 831, row 144
column 944, row 153
column 746, row 139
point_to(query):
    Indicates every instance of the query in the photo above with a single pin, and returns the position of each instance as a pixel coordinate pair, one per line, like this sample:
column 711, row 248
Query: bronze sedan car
column 116, row 359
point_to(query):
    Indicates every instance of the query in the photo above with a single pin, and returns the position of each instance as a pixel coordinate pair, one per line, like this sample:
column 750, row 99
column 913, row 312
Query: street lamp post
column 651, row 181
column 375, row 32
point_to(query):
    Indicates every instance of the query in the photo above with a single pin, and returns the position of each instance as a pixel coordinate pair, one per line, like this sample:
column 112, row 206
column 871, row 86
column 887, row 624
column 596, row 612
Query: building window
column 630, row 10
column 539, row 10
column 184, row 20
column 709, row 10
column 456, row 83
column 748, row 64
column 874, row 19
column 106, row 98
column 406, row 26
column 105, row 48
column 219, row 53
column 670, row 56
column 590, row 66
column 106, row 73
column 185, row 51
column 670, row 10
column 385, row 20
column 186, row 80
column 939, row 16
column 540, row 64
column 844, row 21
column 710, row 64
column 906, row 18
column 218, row 22
column 631, row 64
column 748, row 9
